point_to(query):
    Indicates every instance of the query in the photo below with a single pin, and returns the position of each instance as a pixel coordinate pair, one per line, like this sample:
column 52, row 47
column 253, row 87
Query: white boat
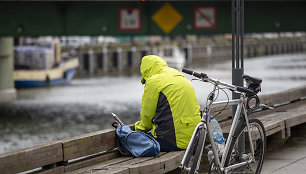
column 36, row 66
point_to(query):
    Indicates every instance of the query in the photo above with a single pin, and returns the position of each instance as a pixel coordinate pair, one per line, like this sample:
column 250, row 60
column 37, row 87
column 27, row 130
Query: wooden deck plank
column 31, row 158
column 126, row 164
column 161, row 164
column 29, row 152
column 100, row 165
column 119, row 170
column 120, row 167
column 89, row 144
column 19, row 167
column 284, row 96
column 91, row 162
column 57, row 170
column 174, row 161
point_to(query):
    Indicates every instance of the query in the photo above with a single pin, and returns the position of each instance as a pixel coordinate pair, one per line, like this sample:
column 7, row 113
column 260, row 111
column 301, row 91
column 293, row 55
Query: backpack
column 137, row 143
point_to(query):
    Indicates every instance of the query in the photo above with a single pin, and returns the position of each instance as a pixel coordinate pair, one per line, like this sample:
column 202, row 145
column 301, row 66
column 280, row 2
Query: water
column 45, row 114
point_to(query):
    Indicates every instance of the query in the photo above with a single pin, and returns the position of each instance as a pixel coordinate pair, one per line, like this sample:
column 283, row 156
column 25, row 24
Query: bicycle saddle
column 254, row 80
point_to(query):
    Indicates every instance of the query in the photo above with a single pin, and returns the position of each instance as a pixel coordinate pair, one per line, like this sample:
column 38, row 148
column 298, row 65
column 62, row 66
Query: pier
column 96, row 152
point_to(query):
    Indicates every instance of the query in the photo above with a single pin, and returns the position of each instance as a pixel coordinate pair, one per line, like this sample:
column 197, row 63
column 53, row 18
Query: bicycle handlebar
column 205, row 78
column 193, row 73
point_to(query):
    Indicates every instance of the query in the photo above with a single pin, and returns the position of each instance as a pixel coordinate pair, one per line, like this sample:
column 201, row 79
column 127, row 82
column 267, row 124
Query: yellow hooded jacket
column 169, row 104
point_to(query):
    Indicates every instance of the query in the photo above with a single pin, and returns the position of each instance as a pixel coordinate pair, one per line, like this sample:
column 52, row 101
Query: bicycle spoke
column 258, row 139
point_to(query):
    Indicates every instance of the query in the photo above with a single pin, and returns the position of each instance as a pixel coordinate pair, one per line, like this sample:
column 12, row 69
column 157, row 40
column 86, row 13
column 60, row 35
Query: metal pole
column 242, row 32
column 237, row 69
column 237, row 32
column 233, row 34
column 237, row 47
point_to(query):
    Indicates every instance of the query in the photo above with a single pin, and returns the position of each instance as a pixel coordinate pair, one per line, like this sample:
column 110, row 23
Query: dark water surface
column 45, row 114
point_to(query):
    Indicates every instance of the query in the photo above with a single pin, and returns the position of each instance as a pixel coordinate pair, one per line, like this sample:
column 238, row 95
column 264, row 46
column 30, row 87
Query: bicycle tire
column 258, row 136
column 190, row 164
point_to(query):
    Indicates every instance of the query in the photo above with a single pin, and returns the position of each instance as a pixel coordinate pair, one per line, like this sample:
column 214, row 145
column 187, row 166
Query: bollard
column 208, row 50
column 91, row 62
column 105, row 59
column 81, row 62
column 120, row 64
column 102, row 60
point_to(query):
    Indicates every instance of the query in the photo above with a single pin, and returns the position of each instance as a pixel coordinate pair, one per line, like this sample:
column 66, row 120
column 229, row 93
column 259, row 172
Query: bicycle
column 246, row 142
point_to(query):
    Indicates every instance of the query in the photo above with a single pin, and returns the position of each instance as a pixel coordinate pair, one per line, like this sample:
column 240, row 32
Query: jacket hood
column 151, row 65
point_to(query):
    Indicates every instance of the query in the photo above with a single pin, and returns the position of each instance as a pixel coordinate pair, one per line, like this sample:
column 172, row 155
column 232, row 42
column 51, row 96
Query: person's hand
column 132, row 127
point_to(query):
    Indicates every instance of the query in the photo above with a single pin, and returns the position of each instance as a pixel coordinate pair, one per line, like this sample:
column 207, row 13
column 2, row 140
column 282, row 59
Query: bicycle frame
column 207, row 127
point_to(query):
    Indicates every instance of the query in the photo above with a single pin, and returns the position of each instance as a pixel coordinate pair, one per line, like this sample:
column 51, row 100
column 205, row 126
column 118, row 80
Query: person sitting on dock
column 170, row 109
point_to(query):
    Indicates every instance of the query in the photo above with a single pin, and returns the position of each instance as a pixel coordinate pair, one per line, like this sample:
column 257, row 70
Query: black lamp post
column 237, row 52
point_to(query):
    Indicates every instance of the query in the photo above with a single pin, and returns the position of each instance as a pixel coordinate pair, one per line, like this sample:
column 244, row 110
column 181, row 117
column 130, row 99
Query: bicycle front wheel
column 240, row 148
column 194, row 154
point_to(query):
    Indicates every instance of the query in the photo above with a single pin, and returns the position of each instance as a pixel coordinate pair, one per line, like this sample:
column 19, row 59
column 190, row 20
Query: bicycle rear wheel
column 258, row 137
column 194, row 154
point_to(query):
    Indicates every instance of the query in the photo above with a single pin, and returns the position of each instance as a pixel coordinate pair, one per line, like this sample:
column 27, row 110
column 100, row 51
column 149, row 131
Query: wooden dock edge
column 82, row 153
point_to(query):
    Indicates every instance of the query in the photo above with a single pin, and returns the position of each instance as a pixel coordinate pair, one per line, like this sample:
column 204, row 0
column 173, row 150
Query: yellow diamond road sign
column 167, row 17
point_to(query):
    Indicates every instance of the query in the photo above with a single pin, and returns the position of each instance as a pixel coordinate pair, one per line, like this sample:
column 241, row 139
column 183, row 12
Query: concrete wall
column 7, row 90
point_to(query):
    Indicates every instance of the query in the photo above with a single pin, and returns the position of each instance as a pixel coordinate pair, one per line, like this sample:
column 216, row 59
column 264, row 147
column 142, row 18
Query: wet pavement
column 289, row 159
column 45, row 114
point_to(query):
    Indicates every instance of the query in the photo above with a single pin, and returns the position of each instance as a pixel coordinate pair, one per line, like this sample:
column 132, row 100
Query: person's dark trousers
column 164, row 145
column 167, row 147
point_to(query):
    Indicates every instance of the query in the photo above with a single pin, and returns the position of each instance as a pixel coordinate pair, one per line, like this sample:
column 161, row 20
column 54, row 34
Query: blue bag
column 137, row 143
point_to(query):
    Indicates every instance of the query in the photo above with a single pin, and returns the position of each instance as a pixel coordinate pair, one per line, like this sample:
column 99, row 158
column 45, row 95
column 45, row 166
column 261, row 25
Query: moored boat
column 38, row 66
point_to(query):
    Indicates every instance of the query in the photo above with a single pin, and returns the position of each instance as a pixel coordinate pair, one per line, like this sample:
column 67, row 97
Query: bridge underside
column 103, row 17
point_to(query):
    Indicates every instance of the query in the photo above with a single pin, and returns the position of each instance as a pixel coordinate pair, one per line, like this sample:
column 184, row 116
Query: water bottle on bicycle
column 218, row 138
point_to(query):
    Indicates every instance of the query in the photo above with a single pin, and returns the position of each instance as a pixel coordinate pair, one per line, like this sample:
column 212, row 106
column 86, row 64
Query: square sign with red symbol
column 204, row 17
column 129, row 19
